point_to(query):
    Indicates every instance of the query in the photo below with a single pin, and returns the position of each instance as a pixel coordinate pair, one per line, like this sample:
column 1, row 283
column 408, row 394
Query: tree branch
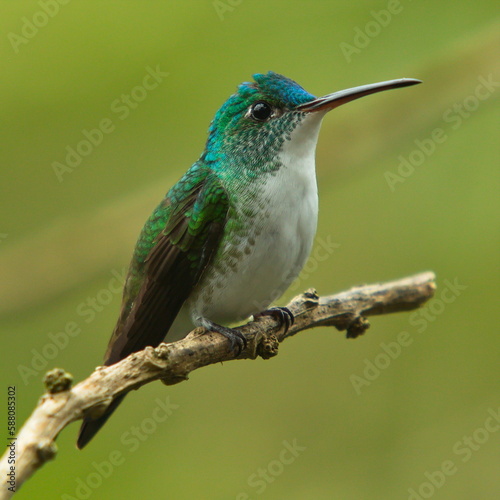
column 172, row 363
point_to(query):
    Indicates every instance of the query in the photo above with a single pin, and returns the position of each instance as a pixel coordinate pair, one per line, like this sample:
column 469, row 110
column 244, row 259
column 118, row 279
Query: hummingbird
column 234, row 232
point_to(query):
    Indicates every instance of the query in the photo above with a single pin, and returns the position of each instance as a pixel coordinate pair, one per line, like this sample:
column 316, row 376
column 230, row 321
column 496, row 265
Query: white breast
column 282, row 238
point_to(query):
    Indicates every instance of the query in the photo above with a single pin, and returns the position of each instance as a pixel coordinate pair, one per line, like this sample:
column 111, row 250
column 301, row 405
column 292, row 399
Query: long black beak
column 330, row 101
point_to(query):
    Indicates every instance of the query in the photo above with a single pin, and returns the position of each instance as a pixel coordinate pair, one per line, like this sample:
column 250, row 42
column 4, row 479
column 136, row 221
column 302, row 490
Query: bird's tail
column 122, row 344
column 90, row 427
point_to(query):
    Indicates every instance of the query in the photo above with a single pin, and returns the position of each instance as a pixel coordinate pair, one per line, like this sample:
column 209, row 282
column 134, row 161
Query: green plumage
column 181, row 231
column 176, row 244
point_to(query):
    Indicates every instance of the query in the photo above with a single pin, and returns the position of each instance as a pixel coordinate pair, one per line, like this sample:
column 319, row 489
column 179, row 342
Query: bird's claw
column 237, row 339
column 283, row 315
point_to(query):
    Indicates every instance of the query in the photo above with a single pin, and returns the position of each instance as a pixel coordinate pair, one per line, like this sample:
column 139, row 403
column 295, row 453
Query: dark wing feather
column 173, row 267
column 170, row 279
column 181, row 252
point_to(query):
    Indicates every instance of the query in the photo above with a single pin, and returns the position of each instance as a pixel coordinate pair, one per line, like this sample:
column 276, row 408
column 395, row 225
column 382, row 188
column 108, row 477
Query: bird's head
column 254, row 123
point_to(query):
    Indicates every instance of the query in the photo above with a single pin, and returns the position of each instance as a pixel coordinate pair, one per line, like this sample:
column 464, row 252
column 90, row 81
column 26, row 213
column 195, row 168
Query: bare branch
column 172, row 363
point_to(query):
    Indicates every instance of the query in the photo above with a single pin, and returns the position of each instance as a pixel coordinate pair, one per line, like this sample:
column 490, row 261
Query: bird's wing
column 196, row 215
column 186, row 230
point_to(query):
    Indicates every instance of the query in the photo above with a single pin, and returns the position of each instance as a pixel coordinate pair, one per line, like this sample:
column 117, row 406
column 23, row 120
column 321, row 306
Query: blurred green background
column 63, row 240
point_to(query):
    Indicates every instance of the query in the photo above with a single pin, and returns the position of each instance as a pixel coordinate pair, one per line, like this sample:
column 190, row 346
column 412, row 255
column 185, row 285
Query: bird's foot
column 237, row 339
column 281, row 314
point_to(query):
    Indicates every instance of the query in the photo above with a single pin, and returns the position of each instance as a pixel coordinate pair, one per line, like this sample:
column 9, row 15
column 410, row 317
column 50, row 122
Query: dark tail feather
column 91, row 427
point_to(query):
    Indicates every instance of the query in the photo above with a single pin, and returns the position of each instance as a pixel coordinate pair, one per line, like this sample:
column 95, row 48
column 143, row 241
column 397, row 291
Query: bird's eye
column 261, row 111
